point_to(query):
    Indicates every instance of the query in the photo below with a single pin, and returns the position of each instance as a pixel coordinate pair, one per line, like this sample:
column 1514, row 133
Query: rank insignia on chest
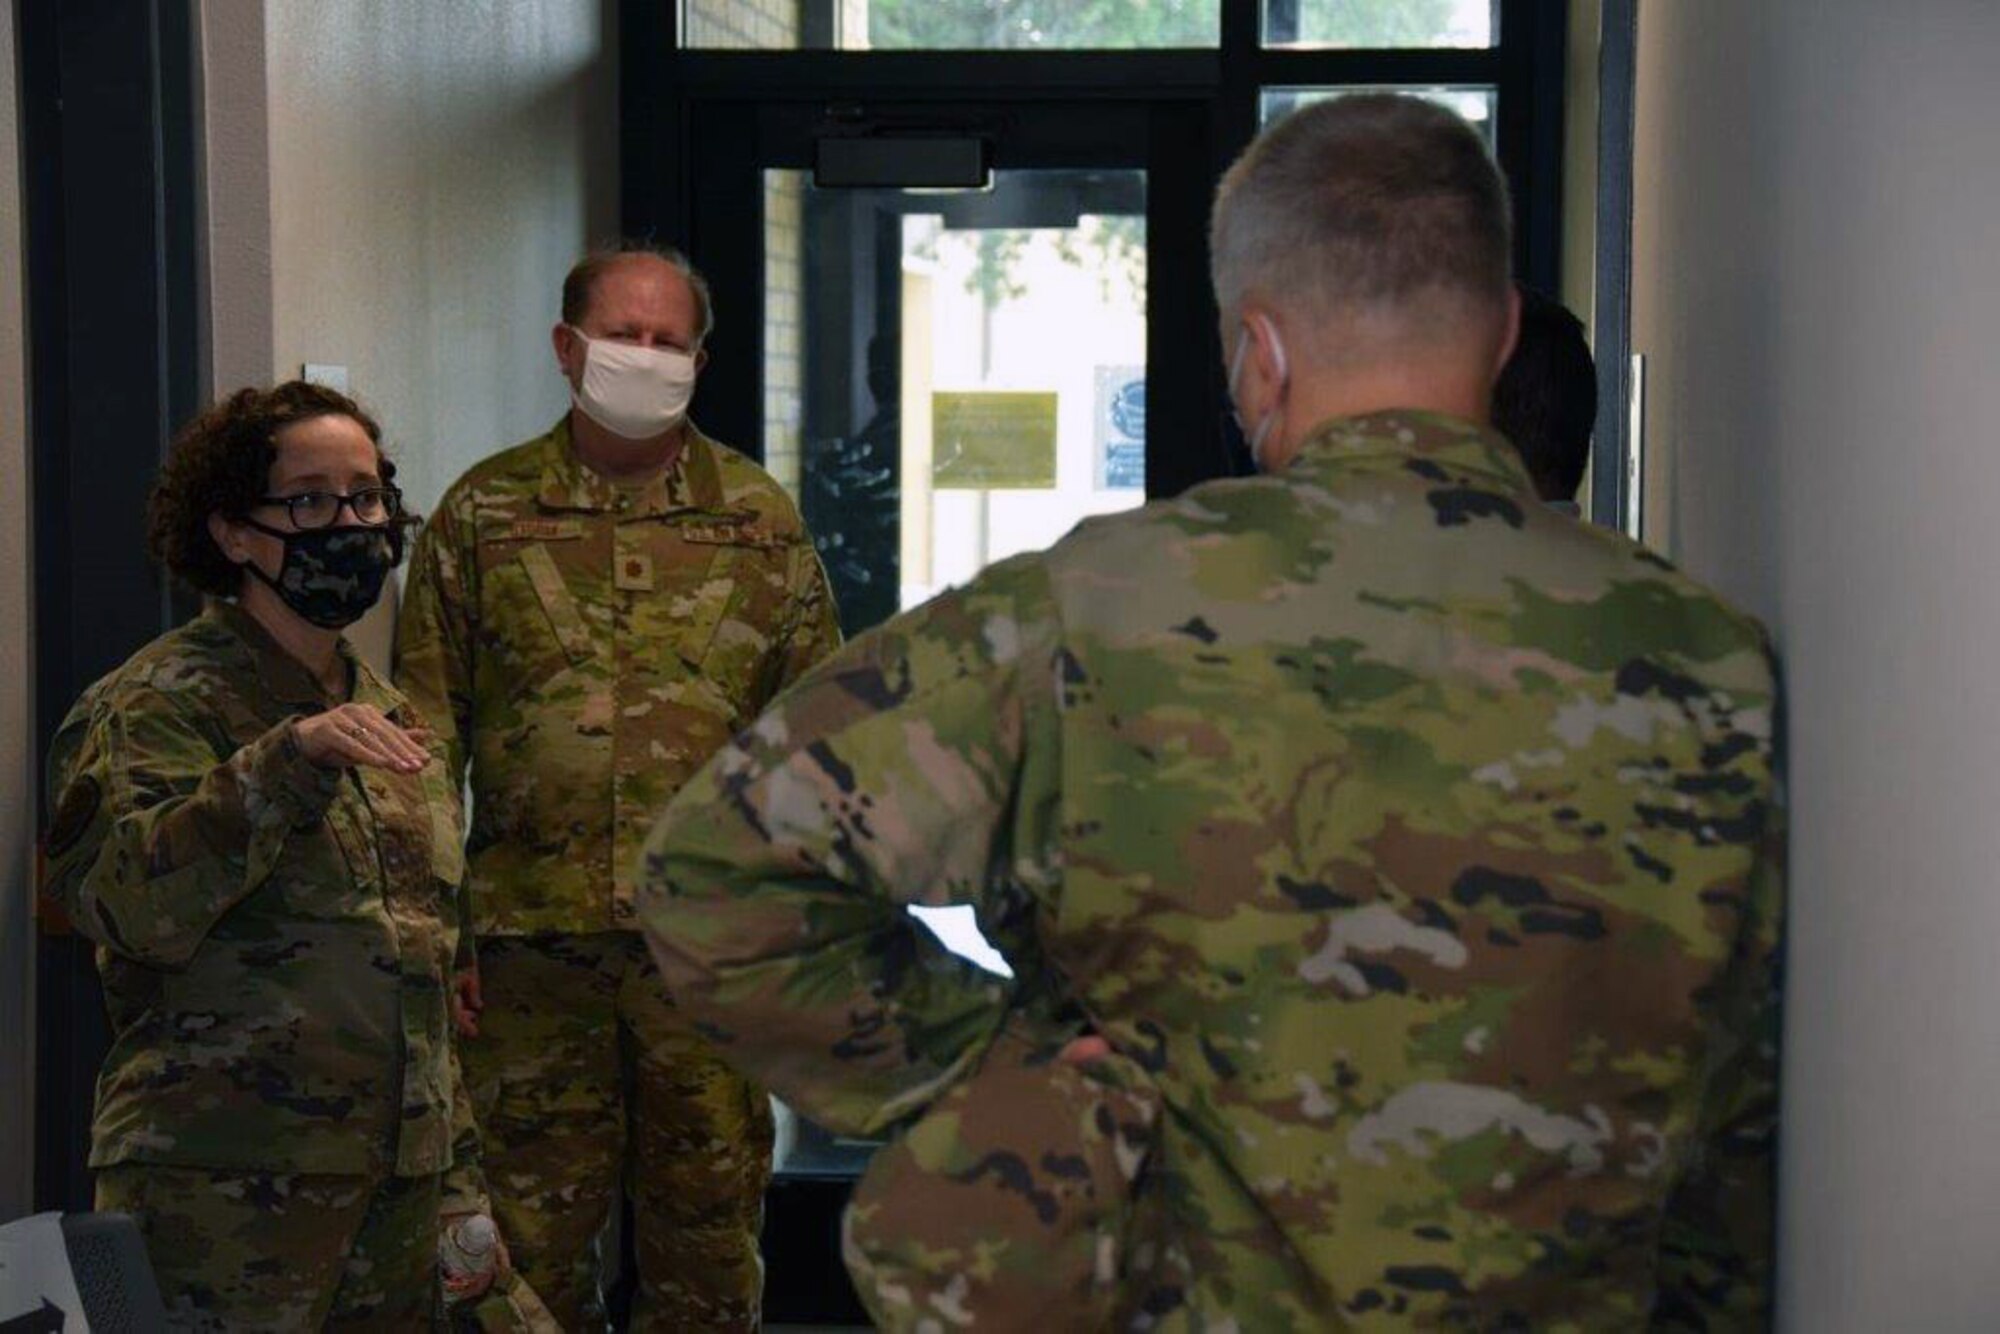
column 634, row 573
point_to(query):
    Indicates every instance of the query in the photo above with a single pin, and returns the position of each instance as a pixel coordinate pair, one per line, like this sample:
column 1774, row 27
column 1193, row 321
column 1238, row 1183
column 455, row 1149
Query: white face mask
column 633, row 392
column 1262, row 430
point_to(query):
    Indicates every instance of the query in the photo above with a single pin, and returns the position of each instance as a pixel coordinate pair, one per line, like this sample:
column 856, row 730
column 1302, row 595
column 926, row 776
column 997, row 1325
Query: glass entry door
column 970, row 382
column 992, row 390
column 943, row 378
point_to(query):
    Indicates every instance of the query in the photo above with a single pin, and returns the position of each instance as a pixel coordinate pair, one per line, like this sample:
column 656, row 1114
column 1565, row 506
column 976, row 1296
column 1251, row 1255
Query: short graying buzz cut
column 1372, row 201
column 581, row 281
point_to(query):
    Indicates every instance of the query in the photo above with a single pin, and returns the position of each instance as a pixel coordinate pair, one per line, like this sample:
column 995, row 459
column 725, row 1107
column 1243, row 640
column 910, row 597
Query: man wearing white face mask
column 589, row 616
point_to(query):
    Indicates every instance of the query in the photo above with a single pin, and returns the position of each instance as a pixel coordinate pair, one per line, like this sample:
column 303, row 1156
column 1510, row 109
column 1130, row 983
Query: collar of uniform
column 285, row 677
column 1403, row 434
column 370, row 688
column 694, row 482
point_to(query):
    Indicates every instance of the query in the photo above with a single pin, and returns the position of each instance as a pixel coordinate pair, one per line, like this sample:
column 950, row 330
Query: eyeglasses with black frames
column 372, row 506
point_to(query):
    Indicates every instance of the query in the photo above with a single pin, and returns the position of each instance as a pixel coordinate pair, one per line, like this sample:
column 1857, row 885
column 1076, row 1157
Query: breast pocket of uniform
column 530, row 628
column 330, row 870
column 727, row 610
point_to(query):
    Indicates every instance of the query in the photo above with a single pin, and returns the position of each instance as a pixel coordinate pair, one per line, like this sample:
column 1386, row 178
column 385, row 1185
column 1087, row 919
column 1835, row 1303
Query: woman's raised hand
column 355, row 734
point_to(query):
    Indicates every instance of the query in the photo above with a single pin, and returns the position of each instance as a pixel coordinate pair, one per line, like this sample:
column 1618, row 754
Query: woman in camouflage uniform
column 252, row 826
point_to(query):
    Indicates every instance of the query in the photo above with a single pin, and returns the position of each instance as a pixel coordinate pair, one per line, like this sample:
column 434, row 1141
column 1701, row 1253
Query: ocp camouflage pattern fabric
column 585, row 647
column 275, row 938
column 1417, row 849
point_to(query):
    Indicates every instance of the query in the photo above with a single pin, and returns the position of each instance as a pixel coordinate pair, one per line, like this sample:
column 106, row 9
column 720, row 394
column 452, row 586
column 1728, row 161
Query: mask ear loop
column 1243, row 348
column 1231, row 414
column 1277, row 352
column 1236, row 361
column 250, row 562
column 1270, row 420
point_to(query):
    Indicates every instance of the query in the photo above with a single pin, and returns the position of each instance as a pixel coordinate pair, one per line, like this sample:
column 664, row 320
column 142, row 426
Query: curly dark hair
column 221, row 461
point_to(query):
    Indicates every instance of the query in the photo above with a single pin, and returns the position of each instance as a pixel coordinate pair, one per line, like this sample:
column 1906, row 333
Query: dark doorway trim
column 679, row 105
column 109, row 131
column 1617, row 76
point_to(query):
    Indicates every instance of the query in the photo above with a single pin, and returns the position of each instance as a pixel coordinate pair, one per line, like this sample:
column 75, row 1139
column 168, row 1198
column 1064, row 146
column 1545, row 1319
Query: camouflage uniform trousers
column 235, row 1250
column 1015, row 1202
column 585, row 1076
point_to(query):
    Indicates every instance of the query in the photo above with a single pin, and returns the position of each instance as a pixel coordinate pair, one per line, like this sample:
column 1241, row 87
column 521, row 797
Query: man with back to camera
column 1389, row 866
column 590, row 615
column 1545, row 400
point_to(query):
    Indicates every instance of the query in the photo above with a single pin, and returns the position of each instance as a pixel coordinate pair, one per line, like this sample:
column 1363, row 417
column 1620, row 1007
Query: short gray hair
column 581, row 281
column 1370, row 201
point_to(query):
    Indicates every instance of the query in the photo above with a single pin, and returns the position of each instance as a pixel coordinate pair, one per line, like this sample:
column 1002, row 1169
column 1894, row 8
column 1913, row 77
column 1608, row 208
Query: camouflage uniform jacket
column 1419, row 844
column 274, row 938
column 586, row 647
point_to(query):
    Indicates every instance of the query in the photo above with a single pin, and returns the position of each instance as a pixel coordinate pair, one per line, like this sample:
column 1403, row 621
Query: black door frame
column 108, row 92
column 684, row 112
column 1040, row 134
column 1613, row 476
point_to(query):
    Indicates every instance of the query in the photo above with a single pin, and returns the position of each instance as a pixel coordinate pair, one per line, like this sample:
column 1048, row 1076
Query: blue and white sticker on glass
column 1120, row 428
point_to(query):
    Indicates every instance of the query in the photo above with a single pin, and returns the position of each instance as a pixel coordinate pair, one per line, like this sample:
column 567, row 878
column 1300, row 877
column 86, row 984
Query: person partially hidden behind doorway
column 1545, row 401
column 1389, row 866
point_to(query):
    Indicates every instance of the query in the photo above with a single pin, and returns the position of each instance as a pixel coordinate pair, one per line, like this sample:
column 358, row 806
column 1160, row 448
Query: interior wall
column 1816, row 259
column 17, row 731
column 235, row 170
column 430, row 181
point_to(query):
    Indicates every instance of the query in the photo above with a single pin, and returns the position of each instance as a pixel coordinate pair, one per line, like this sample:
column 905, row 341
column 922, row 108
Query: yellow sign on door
column 998, row 441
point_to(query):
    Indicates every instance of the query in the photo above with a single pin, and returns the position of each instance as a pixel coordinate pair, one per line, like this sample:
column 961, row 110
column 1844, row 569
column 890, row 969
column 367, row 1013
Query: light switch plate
column 333, row 377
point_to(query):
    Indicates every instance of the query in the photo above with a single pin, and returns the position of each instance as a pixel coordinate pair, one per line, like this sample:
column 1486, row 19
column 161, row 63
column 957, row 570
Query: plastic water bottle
column 469, row 1249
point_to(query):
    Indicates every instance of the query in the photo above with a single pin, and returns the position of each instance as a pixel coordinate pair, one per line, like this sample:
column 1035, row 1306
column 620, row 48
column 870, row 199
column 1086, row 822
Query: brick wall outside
column 784, row 294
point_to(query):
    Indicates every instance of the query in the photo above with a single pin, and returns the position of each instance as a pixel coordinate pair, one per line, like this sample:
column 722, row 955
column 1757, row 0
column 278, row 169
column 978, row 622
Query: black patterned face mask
column 331, row 576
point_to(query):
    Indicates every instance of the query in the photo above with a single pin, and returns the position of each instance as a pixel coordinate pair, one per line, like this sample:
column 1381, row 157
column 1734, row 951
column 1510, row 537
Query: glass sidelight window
column 1476, row 104
column 950, row 25
column 1380, row 25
